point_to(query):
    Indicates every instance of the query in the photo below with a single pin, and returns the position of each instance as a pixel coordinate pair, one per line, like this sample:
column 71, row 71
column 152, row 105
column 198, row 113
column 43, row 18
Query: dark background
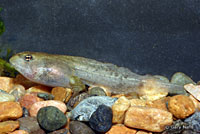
column 147, row 36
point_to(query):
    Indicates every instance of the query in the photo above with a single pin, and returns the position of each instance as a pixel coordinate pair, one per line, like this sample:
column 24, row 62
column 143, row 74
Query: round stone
column 101, row 119
column 77, row 127
column 51, row 118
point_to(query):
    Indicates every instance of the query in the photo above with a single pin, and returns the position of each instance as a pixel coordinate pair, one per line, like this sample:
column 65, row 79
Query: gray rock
column 77, row 127
column 30, row 125
column 85, row 108
column 45, row 96
column 61, row 131
column 51, row 118
column 181, row 79
column 194, row 121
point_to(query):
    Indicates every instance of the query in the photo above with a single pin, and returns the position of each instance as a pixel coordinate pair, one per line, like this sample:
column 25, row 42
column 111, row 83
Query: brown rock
column 160, row 103
column 138, row 102
column 61, row 131
column 150, row 119
column 61, row 94
column 36, row 106
column 10, row 110
column 77, row 127
column 121, row 129
column 181, row 106
column 119, row 108
column 8, row 126
column 143, row 132
column 30, row 125
column 151, row 89
column 193, row 90
column 6, row 83
column 29, row 99
column 39, row 89
column 19, row 132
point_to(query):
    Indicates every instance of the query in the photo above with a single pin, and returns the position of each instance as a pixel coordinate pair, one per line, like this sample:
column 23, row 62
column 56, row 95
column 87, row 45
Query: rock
column 10, row 110
column 160, row 103
column 45, row 96
column 77, row 127
column 150, row 119
column 119, row 108
column 181, row 106
column 162, row 78
column 29, row 99
column 36, row 106
column 18, row 91
column 193, row 90
column 73, row 102
column 138, row 102
column 194, row 121
column 8, row 126
column 85, row 108
column 6, row 84
column 61, row 94
column 121, row 129
column 4, row 96
column 61, row 131
column 96, row 91
column 19, row 132
column 51, row 118
column 30, row 125
column 25, row 112
column 196, row 102
column 181, row 79
column 152, row 89
column 101, row 119
column 39, row 89
column 143, row 132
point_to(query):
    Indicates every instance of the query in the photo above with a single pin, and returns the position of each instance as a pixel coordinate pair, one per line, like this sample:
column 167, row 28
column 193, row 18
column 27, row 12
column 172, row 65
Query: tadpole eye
column 28, row 57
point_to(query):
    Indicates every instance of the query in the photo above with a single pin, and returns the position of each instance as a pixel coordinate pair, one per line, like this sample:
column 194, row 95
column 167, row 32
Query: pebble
column 30, row 124
column 25, row 112
column 51, row 118
column 193, row 90
column 181, row 106
column 181, row 79
column 4, row 96
column 97, row 91
column 119, row 108
column 73, row 102
column 6, row 84
column 61, row 131
column 85, row 108
column 18, row 91
column 152, row 90
column 39, row 89
column 121, row 129
column 29, row 99
column 77, row 127
column 45, row 96
column 36, row 106
column 8, row 126
column 138, row 102
column 145, row 118
column 143, row 132
column 101, row 119
column 194, row 121
column 196, row 102
column 19, row 132
column 61, row 94
column 162, row 78
column 10, row 110
column 160, row 103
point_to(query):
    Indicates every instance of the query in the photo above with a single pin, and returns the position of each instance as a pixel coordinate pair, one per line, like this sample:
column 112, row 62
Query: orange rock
column 19, row 132
column 29, row 99
column 138, row 102
column 39, row 89
column 10, row 110
column 181, row 106
column 119, row 108
column 143, row 132
column 61, row 93
column 121, row 129
column 117, row 95
column 8, row 126
column 160, row 103
column 6, row 84
column 36, row 106
column 146, row 118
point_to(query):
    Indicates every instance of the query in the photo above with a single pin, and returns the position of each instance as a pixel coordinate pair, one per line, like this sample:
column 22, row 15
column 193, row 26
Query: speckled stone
column 194, row 121
column 51, row 118
column 25, row 112
column 77, row 127
column 181, row 79
column 181, row 106
column 85, row 108
column 101, row 119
